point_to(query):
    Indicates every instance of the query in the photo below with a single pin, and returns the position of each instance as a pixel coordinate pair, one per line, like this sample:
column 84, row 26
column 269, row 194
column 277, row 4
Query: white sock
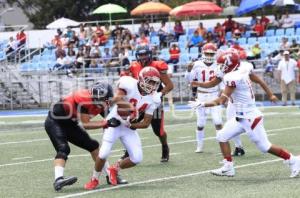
column 199, row 137
column 237, row 141
column 58, row 171
column 105, row 167
column 96, row 174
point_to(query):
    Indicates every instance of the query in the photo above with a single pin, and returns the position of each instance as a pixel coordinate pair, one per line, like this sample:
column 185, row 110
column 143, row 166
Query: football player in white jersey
column 230, row 110
column 205, row 70
column 247, row 116
column 142, row 95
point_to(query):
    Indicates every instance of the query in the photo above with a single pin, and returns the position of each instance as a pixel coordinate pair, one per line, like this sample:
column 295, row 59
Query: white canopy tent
column 62, row 23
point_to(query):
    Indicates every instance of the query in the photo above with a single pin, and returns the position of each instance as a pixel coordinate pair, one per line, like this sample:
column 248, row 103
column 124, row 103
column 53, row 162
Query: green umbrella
column 109, row 9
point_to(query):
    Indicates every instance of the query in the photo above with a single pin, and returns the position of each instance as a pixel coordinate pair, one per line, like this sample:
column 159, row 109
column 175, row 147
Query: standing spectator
column 269, row 65
column 106, row 58
column 56, row 41
column 11, row 46
column 259, row 28
column 163, row 34
column 201, row 30
column 219, row 28
column 294, row 47
column 21, row 38
column 253, row 20
column 287, row 67
column 60, row 52
column 228, row 24
column 265, row 21
column 178, row 30
column 275, row 23
column 174, row 52
column 118, row 30
column 287, row 21
column 82, row 36
column 152, row 32
column 106, row 31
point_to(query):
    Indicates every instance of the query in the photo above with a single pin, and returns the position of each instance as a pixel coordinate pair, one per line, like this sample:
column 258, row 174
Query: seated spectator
column 60, row 52
column 69, row 32
column 133, row 42
column 106, row 31
column 256, row 52
column 21, row 38
column 87, row 55
column 228, row 24
column 174, row 52
column 79, row 59
column 209, row 38
column 163, row 34
column 294, row 47
column 285, row 45
column 219, row 28
column 143, row 40
column 118, row 30
column 12, row 45
column 82, row 36
column 253, row 20
column 152, row 32
column 106, row 57
column 286, row 21
column 259, row 28
column 195, row 41
column 101, row 38
column 142, row 28
column 89, row 32
column 64, row 41
column 126, row 42
column 240, row 28
column 178, row 30
column 220, row 39
column 275, row 23
column 201, row 30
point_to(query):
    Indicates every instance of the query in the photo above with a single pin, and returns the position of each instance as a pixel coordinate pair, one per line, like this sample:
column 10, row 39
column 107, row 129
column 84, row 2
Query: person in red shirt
column 259, row 28
column 144, row 59
column 228, row 24
column 178, row 30
column 68, row 120
column 21, row 38
column 265, row 21
column 174, row 52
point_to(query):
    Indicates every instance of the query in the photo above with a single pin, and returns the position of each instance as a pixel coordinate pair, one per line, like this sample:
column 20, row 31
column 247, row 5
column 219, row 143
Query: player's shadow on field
column 249, row 180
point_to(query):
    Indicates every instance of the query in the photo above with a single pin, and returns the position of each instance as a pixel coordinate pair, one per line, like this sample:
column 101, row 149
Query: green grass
column 35, row 178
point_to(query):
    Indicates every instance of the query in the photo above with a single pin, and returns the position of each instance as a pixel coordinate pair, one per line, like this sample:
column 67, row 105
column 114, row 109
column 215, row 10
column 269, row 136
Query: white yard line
column 185, row 137
column 25, row 141
column 21, row 158
column 118, row 150
column 162, row 179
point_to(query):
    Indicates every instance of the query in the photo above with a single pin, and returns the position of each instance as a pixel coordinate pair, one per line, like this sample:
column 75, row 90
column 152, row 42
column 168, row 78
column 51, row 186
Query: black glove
column 113, row 122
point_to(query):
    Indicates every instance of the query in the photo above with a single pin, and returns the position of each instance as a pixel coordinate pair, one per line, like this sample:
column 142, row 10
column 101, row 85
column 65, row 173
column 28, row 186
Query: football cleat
column 226, row 170
column 113, row 175
column 92, row 184
column 294, row 164
column 60, row 182
column 165, row 153
column 199, row 148
column 120, row 181
column 239, row 151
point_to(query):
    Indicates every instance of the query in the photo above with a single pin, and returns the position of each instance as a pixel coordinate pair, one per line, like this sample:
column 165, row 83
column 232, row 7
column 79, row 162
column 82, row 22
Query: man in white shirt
column 287, row 21
column 287, row 67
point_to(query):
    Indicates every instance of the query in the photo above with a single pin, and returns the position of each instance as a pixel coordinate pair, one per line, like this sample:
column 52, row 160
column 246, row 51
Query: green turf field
column 26, row 162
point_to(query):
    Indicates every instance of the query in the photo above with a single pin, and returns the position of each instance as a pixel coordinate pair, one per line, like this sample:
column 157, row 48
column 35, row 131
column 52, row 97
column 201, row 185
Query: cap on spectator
column 237, row 31
column 286, row 52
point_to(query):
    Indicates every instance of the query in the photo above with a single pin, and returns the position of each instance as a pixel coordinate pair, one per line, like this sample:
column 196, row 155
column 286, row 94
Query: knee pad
column 137, row 157
column 263, row 146
column 220, row 137
column 63, row 151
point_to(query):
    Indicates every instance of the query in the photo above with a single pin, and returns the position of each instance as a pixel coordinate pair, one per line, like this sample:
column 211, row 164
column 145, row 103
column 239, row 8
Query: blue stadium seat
column 183, row 58
column 191, row 31
column 270, row 33
column 248, row 34
column 290, row 32
column 279, row 32
column 182, row 38
column 298, row 31
column 194, row 50
column 36, row 58
column 251, row 40
column 242, row 41
column 272, row 39
column 262, row 39
column 155, row 40
column 228, row 35
column 24, row 67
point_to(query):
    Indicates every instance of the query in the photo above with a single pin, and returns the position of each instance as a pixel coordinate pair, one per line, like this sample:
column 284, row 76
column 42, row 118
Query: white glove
column 196, row 104
column 157, row 97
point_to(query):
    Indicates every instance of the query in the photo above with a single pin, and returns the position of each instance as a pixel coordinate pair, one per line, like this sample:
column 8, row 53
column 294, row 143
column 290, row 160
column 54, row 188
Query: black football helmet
column 143, row 55
column 101, row 91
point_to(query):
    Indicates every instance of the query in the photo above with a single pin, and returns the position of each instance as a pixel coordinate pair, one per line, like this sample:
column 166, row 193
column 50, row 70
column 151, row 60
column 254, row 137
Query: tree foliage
column 43, row 12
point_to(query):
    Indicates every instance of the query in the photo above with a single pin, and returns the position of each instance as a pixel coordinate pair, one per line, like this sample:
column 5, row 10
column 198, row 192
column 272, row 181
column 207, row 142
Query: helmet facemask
column 149, row 84
column 209, row 57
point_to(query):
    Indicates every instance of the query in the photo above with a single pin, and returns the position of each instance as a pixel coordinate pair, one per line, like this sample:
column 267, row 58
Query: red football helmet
column 228, row 60
column 209, row 51
column 149, row 79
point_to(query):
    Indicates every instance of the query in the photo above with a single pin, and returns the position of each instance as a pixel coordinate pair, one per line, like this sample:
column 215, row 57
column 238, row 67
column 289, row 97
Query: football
column 125, row 109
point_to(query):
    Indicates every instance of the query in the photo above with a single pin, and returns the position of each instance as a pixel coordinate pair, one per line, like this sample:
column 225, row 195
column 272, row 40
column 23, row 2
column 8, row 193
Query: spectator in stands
column 142, row 28
column 82, row 36
column 196, row 41
column 59, row 32
column 253, row 20
column 285, row 45
column 106, row 57
column 220, row 39
column 95, row 58
column 89, row 32
column 240, row 28
column 275, row 23
column 178, row 29
column 228, row 24
column 74, row 39
column 21, row 38
column 107, row 31
column 87, row 55
column 101, row 38
column 269, row 66
column 123, row 58
column 278, row 56
column 264, row 21
column 70, row 51
column 56, row 41
column 69, row 32
column 155, row 52
column 174, row 52
column 163, row 34
column 143, row 40
column 12, row 45
column 147, row 27
column 287, row 67
column 286, row 21
column 79, row 60
column 201, row 30
column 133, row 42
column 64, row 40
column 59, row 52
column 152, row 32
column 126, row 42
column 259, row 28
column 59, row 62
column 294, row 47
column 256, row 52
column 237, row 34
column 118, row 30
column 219, row 28
column 209, row 38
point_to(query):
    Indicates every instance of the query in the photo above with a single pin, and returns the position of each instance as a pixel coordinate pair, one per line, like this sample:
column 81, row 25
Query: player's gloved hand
column 157, row 97
column 195, row 104
column 113, row 122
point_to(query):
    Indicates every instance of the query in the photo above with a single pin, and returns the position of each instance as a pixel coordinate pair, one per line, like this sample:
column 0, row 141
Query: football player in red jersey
column 144, row 58
column 142, row 96
column 67, row 121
